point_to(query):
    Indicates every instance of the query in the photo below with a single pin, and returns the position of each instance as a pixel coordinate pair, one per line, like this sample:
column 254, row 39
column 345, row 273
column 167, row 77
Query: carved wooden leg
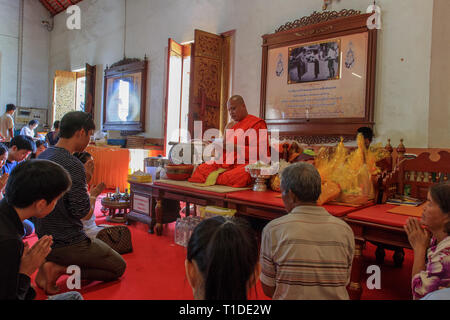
column 399, row 256
column 380, row 254
column 355, row 286
column 159, row 213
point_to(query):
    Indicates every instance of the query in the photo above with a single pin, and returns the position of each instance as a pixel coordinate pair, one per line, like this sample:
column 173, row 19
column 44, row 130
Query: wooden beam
column 48, row 7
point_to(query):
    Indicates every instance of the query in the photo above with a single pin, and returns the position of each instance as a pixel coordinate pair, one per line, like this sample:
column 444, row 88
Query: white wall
column 403, row 64
column 33, row 86
column 9, row 43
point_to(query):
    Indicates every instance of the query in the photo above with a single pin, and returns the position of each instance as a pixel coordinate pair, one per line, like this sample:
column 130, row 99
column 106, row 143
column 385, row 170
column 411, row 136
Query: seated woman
column 41, row 146
column 52, row 137
column 222, row 259
column 89, row 226
column 28, row 130
column 432, row 243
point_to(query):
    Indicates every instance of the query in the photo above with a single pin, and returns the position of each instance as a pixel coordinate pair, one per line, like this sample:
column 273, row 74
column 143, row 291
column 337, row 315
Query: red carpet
column 155, row 271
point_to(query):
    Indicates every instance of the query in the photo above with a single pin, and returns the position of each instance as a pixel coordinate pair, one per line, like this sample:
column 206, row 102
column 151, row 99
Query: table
column 117, row 209
column 269, row 205
column 377, row 225
column 156, row 203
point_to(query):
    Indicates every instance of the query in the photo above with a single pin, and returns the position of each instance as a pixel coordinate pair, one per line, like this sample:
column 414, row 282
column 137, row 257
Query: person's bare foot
column 47, row 276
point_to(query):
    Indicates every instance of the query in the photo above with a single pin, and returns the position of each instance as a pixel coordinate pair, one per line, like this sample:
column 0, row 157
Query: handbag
column 117, row 237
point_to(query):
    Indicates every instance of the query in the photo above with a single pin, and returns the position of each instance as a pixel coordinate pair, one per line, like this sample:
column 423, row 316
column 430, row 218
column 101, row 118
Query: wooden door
column 206, row 81
column 64, row 93
column 89, row 97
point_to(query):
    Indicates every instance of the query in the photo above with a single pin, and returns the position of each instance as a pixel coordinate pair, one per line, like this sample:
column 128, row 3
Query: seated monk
column 233, row 175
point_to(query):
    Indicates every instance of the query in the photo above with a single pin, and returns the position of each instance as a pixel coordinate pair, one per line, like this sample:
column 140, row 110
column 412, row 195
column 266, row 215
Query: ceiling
column 57, row 6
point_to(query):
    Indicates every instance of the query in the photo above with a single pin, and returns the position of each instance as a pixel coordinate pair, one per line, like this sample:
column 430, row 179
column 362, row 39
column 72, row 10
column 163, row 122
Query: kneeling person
column 33, row 190
column 72, row 246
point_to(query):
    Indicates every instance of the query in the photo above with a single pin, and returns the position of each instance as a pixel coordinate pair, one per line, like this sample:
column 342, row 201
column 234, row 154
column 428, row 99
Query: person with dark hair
column 28, row 130
column 41, row 146
column 222, row 259
column 33, row 189
column 27, row 224
column 20, row 148
column 89, row 226
column 71, row 245
column 7, row 123
column 367, row 134
column 308, row 237
column 53, row 136
column 431, row 245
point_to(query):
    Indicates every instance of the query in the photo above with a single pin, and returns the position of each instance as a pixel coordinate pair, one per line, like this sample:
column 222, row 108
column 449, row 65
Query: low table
column 377, row 225
column 117, row 209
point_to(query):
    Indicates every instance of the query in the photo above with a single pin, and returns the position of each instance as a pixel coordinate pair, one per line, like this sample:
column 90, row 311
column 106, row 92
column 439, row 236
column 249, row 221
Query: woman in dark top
column 41, row 146
column 53, row 136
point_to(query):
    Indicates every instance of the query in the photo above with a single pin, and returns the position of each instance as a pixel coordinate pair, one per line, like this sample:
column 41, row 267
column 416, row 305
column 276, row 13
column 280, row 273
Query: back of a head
column 56, row 124
column 35, row 180
column 3, row 149
column 366, row 132
column 10, row 107
column 440, row 193
column 82, row 156
column 23, row 143
column 303, row 180
column 41, row 143
column 75, row 121
column 226, row 253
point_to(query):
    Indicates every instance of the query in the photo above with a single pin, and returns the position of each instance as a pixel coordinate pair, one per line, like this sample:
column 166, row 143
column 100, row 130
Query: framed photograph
column 317, row 61
column 318, row 75
column 124, row 105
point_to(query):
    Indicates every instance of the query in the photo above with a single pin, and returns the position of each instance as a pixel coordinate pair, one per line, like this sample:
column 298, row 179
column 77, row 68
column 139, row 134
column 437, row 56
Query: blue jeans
column 72, row 295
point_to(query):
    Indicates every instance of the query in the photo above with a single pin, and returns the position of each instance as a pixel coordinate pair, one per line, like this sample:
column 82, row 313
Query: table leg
column 159, row 215
column 151, row 227
column 355, row 286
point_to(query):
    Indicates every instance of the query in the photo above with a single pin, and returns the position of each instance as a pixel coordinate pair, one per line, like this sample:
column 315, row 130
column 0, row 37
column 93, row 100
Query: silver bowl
column 261, row 179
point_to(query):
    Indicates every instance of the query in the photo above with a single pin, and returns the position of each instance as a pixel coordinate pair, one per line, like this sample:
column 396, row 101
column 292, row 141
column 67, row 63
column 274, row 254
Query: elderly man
column 233, row 174
column 308, row 253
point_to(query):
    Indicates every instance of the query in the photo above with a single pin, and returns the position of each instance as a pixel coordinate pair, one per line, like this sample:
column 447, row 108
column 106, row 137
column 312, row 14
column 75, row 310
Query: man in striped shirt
column 71, row 246
column 306, row 254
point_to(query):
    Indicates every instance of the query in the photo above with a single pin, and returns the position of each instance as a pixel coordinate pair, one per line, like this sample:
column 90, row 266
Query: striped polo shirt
column 307, row 255
column 64, row 222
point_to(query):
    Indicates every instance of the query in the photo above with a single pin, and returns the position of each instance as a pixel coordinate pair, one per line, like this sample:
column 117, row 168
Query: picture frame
column 125, row 96
column 326, row 106
column 316, row 61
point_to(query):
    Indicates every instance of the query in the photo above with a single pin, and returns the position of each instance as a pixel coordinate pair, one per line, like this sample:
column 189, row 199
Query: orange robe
column 235, row 176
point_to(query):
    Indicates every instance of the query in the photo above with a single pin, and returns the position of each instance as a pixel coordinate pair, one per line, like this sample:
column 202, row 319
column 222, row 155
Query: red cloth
column 379, row 214
column 235, row 176
column 272, row 198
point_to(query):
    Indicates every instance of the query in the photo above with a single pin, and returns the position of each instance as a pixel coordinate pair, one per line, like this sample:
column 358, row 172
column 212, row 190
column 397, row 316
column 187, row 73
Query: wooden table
column 377, row 225
column 117, row 209
column 155, row 203
column 269, row 205
column 369, row 223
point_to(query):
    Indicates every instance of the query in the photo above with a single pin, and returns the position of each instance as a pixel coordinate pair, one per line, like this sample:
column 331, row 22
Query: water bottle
column 177, row 231
column 185, row 233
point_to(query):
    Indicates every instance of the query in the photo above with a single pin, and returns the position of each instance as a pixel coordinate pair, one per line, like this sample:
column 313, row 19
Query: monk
column 233, row 175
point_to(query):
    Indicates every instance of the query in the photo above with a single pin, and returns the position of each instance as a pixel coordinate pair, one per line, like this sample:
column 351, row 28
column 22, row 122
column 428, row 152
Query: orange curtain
column 111, row 166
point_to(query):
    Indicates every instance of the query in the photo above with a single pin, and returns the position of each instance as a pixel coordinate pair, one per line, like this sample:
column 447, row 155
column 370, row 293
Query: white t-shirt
column 26, row 131
column 6, row 123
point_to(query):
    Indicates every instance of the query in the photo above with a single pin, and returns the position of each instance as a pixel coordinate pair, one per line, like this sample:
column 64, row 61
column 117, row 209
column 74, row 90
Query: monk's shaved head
column 237, row 108
column 237, row 100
